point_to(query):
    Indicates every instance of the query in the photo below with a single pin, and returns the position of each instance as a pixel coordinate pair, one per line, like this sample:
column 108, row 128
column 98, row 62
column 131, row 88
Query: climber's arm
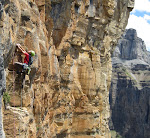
column 21, row 49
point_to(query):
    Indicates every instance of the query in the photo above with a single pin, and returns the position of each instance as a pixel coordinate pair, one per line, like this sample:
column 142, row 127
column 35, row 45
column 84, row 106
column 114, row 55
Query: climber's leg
column 28, row 70
column 23, row 80
column 18, row 67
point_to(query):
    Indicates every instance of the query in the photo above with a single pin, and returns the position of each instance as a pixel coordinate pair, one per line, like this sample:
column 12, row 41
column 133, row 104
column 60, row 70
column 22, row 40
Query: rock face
column 129, row 93
column 67, row 91
column 131, row 47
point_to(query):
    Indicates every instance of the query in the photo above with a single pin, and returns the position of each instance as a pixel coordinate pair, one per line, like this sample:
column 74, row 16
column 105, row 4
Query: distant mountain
column 130, row 88
column 130, row 47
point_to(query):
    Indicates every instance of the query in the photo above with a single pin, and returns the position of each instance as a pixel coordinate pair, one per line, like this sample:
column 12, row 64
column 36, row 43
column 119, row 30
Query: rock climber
column 28, row 60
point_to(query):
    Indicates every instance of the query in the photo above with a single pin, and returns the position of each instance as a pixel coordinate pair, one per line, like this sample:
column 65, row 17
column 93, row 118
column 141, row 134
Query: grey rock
column 2, row 134
column 130, row 87
column 131, row 47
column 2, row 89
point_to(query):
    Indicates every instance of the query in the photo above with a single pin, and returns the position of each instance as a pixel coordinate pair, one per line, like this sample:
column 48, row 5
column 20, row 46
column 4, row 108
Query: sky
column 140, row 20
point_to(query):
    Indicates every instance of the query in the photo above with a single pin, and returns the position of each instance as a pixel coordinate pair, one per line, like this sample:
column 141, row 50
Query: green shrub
column 115, row 134
column 6, row 98
column 37, row 128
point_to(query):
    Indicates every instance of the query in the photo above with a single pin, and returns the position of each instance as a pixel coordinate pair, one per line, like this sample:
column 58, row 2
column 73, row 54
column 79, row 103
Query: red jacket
column 26, row 59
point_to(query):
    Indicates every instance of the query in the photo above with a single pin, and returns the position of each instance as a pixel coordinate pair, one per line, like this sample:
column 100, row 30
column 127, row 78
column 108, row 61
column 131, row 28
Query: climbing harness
column 26, row 69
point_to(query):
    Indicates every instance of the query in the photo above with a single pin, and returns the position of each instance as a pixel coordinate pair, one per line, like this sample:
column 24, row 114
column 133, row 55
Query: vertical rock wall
column 2, row 89
column 67, row 91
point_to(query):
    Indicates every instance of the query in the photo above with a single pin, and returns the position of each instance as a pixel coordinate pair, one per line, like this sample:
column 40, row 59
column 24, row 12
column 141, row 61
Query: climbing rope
column 14, row 94
column 14, row 89
column 32, row 99
column 22, row 88
column 21, row 93
column 68, row 114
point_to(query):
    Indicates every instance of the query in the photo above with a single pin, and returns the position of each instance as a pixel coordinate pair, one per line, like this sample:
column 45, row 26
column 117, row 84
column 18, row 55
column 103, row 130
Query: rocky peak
column 130, row 34
column 131, row 47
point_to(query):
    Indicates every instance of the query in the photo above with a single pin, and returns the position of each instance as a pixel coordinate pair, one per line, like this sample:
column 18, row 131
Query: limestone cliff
column 129, row 93
column 67, row 91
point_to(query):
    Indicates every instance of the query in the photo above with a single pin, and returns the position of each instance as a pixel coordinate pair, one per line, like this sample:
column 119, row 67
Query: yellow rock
column 67, row 92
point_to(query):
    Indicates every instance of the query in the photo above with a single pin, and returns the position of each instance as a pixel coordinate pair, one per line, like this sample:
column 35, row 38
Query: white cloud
column 141, row 24
column 146, row 17
column 142, row 27
column 142, row 5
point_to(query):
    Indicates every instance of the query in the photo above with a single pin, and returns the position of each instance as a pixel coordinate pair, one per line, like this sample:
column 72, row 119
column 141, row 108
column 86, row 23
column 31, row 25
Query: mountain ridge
column 129, row 92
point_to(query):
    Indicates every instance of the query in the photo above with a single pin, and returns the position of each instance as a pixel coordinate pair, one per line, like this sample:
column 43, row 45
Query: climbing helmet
column 32, row 53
